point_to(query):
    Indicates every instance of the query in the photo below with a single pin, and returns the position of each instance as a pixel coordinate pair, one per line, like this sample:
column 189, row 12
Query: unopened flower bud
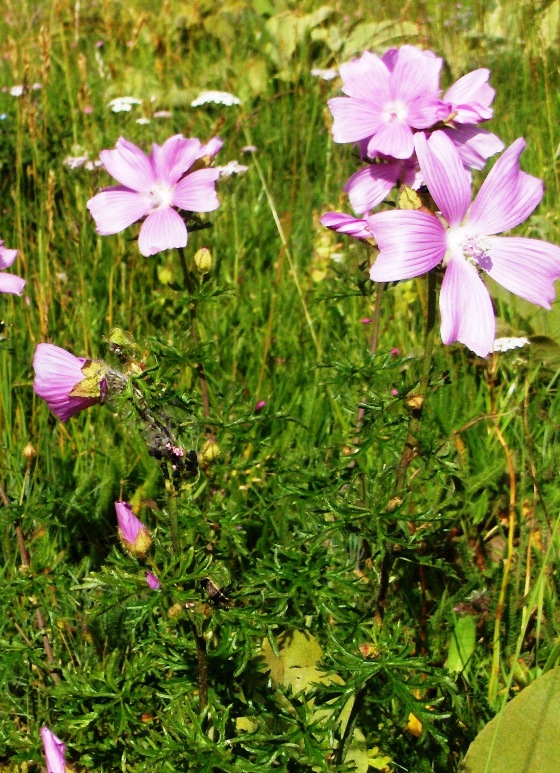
column 134, row 536
column 29, row 452
column 152, row 581
column 210, row 451
column 203, row 260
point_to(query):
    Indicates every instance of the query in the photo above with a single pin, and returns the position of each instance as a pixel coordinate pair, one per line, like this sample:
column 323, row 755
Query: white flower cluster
column 217, row 98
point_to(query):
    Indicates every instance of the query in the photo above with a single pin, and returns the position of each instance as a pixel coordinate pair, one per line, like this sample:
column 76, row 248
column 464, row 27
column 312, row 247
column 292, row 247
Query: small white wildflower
column 123, row 104
column 163, row 114
column 325, row 75
column 17, row 91
column 75, row 162
column 249, row 149
column 91, row 165
column 231, row 168
column 143, row 121
column 506, row 344
column 216, row 97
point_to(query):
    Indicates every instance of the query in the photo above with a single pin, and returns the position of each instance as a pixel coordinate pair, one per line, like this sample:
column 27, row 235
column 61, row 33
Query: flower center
column 474, row 247
column 477, row 250
column 394, row 112
column 161, row 195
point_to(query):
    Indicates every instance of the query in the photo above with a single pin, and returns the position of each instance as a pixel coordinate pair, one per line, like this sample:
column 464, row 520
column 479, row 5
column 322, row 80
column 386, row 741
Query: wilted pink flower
column 412, row 242
column 9, row 283
column 134, row 536
column 67, row 383
column 387, row 98
column 260, row 405
column 152, row 581
column 151, row 186
column 54, row 751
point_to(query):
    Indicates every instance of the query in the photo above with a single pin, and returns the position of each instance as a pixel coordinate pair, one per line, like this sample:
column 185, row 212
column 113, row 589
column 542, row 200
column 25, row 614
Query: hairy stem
column 411, row 446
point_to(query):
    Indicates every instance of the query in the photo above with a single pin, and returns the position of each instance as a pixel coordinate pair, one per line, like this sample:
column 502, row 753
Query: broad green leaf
column 461, row 644
column 525, row 736
column 287, row 30
column 297, row 665
column 378, row 36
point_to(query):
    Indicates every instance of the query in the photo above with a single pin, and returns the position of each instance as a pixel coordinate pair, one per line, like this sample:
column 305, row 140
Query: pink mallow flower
column 469, row 101
column 54, row 751
column 152, row 187
column 9, row 283
column 388, row 98
column 134, row 536
column 67, row 383
column 413, row 242
column 152, row 581
column 466, row 103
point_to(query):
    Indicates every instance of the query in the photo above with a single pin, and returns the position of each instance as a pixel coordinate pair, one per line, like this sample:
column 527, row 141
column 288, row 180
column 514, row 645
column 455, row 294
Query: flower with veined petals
column 152, row 187
column 469, row 101
column 387, row 98
column 68, row 384
column 9, row 283
column 465, row 104
column 134, row 536
column 412, row 242
column 54, row 751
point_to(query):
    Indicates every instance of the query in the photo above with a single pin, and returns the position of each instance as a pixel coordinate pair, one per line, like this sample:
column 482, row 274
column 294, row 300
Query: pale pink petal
column 7, row 256
column 507, row 196
column 211, row 148
column 411, row 243
column 366, row 78
column 163, row 229
column 424, row 112
column 526, row 267
column 466, row 309
column 10, row 283
column 415, row 73
column 129, row 166
column 471, row 97
column 474, row 145
column 392, row 139
column 346, row 224
column 174, row 157
column 114, row 209
column 354, row 119
column 196, row 192
column 444, row 174
column 369, row 186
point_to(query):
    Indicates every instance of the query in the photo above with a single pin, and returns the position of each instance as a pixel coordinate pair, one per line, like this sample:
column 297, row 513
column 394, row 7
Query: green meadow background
column 366, row 627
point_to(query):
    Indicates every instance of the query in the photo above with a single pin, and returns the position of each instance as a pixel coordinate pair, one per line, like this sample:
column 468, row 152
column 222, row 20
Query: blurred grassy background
column 282, row 320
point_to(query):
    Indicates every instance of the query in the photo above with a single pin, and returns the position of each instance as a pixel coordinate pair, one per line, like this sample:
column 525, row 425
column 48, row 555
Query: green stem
column 411, row 445
column 173, row 525
column 202, row 663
